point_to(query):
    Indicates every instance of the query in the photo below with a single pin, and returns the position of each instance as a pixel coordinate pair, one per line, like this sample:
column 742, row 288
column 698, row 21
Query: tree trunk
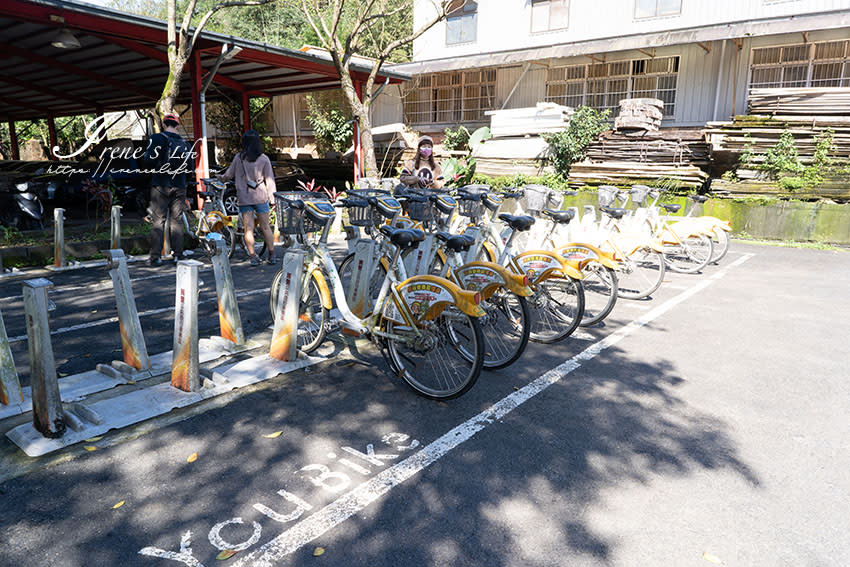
column 367, row 145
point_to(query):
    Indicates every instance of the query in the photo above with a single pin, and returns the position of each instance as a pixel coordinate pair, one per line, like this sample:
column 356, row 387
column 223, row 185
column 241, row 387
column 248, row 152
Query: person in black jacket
column 172, row 159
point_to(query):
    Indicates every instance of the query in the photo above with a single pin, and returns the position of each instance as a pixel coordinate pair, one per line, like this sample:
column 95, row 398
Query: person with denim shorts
column 255, row 188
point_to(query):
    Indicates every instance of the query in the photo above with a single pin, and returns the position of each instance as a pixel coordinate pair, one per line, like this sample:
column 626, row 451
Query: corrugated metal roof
column 122, row 62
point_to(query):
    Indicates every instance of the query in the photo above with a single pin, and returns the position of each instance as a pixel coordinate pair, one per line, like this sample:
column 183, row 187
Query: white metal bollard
column 284, row 345
column 48, row 417
column 228, row 309
column 10, row 385
column 357, row 295
column 185, row 366
column 132, row 338
column 115, row 228
column 59, row 237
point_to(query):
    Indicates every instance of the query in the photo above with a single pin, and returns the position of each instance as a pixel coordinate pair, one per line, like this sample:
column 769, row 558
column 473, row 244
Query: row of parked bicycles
column 447, row 283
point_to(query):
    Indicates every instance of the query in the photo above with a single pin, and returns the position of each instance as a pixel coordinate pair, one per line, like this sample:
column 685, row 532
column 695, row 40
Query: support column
column 48, row 417
column 246, row 112
column 132, row 338
column 358, row 146
column 13, row 141
column 196, row 72
column 54, row 139
column 115, row 228
column 185, row 366
column 10, row 385
column 228, row 309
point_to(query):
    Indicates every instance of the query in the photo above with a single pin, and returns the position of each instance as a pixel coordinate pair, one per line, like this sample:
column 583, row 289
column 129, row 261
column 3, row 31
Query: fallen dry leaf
column 192, row 458
column 88, row 355
column 318, row 551
column 226, row 554
column 94, row 439
column 94, row 310
column 118, row 505
column 274, row 435
column 62, row 374
column 90, row 448
column 711, row 558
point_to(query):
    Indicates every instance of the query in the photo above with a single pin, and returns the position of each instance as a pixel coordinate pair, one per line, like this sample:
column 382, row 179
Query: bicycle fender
column 586, row 253
column 324, row 290
column 490, row 250
column 487, row 277
column 427, row 296
column 542, row 264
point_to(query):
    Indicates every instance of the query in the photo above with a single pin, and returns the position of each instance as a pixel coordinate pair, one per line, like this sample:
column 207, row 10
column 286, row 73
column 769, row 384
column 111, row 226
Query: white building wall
column 505, row 25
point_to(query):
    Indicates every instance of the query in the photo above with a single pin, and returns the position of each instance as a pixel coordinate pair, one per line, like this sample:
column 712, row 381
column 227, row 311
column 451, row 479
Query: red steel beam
column 246, row 112
column 23, row 104
column 13, row 141
column 54, row 139
column 47, row 90
column 197, row 127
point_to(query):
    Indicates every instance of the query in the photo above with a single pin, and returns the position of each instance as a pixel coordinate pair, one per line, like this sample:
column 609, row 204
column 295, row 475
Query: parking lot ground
column 708, row 423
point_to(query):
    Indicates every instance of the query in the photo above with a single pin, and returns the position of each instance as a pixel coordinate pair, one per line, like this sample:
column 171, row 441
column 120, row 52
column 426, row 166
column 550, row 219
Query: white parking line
column 357, row 499
column 100, row 322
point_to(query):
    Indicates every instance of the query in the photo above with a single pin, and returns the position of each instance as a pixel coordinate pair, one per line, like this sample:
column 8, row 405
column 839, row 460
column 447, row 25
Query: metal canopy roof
column 122, row 63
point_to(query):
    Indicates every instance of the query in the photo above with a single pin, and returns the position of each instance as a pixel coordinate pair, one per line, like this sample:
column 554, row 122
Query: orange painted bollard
column 59, row 237
column 228, row 309
column 132, row 339
column 365, row 258
column 185, row 365
column 284, row 344
column 48, row 417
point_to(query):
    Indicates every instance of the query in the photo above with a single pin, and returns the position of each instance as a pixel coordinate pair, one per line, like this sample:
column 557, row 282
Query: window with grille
column 462, row 24
column 657, row 8
column 603, row 85
column 825, row 64
column 549, row 15
column 451, row 98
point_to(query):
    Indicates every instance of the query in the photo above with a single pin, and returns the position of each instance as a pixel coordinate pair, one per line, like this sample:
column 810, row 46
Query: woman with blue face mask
column 423, row 171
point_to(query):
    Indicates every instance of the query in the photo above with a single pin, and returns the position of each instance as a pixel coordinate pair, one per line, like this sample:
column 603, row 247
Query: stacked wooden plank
column 665, row 147
column 810, row 101
column 544, row 117
column 637, row 114
column 760, row 133
column 630, row 172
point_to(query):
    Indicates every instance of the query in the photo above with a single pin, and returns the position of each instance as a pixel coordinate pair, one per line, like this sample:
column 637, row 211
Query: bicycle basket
column 470, row 207
column 638, row 194
column 606, row 195
column 536, row 197
column 366, row 193
column 360, row 216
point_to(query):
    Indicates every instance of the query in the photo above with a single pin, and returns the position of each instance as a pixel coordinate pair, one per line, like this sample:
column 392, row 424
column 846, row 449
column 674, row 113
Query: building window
column 451, row 98
column 603, row 85
column 462, row 24
column 825, row 64
column 549, row 15
column 657, row 8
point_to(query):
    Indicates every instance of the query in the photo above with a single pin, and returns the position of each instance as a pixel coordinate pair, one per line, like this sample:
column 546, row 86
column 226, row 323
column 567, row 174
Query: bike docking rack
column 61, row 414
column 59, row 262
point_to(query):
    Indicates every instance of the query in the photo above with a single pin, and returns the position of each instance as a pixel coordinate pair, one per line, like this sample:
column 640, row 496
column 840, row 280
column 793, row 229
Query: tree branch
column 199, row 28
column 442, row 12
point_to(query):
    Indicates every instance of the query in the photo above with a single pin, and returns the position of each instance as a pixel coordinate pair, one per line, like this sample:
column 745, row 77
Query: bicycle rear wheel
column 441, row 362
column 600, row 293
column 689, row 257
column 557, row 307
column 641, row 274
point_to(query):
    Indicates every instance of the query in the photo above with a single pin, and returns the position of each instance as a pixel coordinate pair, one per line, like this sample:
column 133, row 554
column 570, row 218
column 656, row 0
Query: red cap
column 171, row 116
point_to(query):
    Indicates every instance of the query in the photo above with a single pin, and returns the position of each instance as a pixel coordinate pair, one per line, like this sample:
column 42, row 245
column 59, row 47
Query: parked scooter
column 21, row 208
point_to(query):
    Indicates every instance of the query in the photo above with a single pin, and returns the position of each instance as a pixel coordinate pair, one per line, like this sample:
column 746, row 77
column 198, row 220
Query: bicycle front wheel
column 557, row 307
column 443, row 359
column 720, row 242
column 689, row 257
column 600, row 293
column 312, row 314
column 506, row 326
column 641, row 274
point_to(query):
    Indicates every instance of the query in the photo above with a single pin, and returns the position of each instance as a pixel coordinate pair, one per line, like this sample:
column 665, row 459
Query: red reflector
column 525, row 279
column 477, row 298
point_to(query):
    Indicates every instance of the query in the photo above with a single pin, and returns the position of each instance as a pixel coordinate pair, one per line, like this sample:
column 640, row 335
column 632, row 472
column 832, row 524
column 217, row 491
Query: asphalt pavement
column 706, row 424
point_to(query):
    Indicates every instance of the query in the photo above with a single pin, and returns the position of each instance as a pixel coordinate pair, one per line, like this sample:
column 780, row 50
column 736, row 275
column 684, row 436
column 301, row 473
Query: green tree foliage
column 70, row 133
column 331, row 122
column 457, row 139
column 569, row 145
column 782, row 159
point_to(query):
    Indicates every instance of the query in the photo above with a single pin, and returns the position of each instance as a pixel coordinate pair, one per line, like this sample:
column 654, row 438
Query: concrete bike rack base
column 97, row 418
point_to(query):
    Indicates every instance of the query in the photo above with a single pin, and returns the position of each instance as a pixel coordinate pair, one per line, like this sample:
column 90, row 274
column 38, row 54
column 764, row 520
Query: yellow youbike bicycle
column 426, row 327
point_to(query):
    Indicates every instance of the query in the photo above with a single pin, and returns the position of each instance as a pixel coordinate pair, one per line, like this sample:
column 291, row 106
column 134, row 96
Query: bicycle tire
column 375, row 282
column 436, row 347
column 641, row 274
column 721, row 241
column 690, row 256
column 557, row 307
column 310, row 311
column 229, row 240
column 600, row 285
column 506, row 327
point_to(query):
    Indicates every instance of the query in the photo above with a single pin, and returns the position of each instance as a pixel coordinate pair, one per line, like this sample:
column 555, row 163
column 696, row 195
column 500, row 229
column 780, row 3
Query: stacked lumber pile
column 825, row 101
column 629, row 173
column 760, row 133
column 544, row 117
column 639, row 114
column 671, row 146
